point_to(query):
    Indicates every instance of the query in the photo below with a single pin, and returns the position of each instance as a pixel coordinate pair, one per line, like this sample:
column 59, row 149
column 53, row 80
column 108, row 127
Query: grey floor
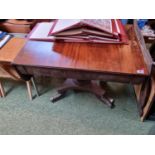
column 79, row 113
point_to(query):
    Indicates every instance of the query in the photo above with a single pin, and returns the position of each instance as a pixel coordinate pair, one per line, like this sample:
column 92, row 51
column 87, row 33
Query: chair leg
column 35, row 87
column 2, row 91
column 28, row 83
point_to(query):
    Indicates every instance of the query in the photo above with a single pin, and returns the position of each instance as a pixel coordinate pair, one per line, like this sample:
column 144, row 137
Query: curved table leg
column 85, row 86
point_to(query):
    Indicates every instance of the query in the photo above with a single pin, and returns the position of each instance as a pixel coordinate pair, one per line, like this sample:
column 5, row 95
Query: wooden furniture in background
column 150, row 93
column 19, row 26
column 87, row 62
column 145, row 93
column 150, row 101
column 150, row 97
column 7, row 55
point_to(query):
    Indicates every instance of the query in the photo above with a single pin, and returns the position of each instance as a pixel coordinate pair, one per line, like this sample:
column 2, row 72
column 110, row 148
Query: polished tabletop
column 107, row 58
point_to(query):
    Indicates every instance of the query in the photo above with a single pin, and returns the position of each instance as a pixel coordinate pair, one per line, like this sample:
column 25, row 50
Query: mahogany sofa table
column 85, row 63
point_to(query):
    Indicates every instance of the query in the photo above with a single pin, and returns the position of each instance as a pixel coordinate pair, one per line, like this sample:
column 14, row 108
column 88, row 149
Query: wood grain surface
column 119, row 59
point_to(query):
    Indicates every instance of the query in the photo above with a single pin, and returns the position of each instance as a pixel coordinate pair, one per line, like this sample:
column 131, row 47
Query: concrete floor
column 79, row 113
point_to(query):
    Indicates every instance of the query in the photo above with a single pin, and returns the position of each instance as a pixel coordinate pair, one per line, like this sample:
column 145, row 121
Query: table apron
column 81, row 75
